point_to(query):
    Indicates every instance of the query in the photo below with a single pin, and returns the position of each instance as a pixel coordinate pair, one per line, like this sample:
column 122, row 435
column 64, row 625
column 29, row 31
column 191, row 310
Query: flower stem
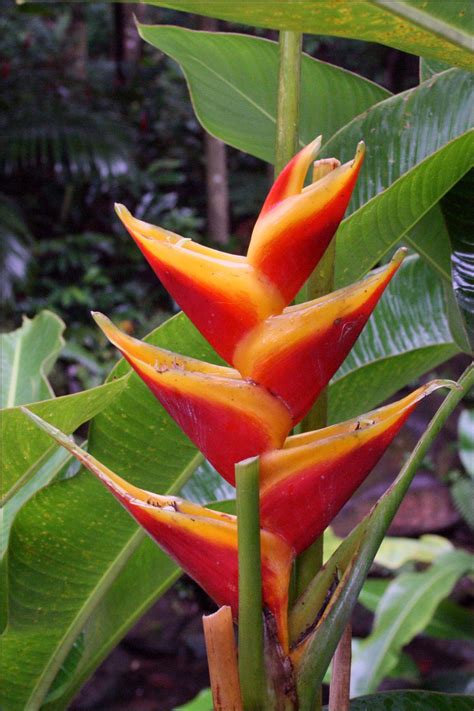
column 288, row 98
column 251, row 664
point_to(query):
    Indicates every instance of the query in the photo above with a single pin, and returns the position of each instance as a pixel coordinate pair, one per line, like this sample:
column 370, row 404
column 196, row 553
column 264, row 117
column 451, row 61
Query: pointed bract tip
column 360, row 152
column 316, row 146
column 121, row 210
column 441, row 383
column 109, row 329
column 101, row 319
column 399, row 256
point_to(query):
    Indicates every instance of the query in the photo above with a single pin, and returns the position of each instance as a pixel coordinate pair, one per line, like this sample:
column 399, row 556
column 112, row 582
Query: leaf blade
column 405, row 609
column 361, row 20
column 233, row 82
column 407, row 335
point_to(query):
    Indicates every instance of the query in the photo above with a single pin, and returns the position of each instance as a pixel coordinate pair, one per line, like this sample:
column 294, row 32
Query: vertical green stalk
column 251, row 663
column 288, row 98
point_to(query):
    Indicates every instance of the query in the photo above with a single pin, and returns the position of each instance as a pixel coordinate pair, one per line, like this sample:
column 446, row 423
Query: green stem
column 251, row 664
column 288, row 98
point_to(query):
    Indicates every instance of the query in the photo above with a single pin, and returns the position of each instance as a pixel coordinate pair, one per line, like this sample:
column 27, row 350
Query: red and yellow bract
column 225, row 295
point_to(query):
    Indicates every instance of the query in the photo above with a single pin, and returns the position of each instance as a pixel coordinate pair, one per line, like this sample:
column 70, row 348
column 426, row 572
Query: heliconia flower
column 306, row 483
column 223, row 295
column 295, row 354
column 226, row 295
column 202, row 541
column 229, row 419
column 296, row 224
column 285, row 363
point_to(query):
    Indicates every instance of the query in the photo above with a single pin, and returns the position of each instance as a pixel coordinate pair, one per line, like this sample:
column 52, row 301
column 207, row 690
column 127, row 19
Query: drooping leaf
column 404, row 611
column 233, row 81
column 438, row 30
column 449, row 621
column 27, row 357
column 71, row 543
column 419, row 144
column 407, row 335
column 412, row 701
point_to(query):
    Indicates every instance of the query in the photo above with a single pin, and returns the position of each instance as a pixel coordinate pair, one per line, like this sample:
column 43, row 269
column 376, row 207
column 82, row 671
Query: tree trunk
column 218, row 224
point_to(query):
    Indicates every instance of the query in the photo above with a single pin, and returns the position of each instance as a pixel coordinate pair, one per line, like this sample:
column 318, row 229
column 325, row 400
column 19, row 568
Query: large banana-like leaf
column 407, row 335
column 406, row 608
column 233, row 82
column 419, row 144
column 438, row 30
column 27, row 357
column 29, row 459
column 71, row 542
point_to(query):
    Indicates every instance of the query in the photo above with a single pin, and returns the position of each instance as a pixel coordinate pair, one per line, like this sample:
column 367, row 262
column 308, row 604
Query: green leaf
column 449, row 621
column 430, row 238
column 233, row 81
column 26, row 449
column 412, row 701
column 27, row 356
column 419, row 144
column 428, row 67
column 71, row 544
column 459, row 214
column 202, row 702
column 407, row 335
column 404, row 611
column 395, row 552
column 438, row 30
